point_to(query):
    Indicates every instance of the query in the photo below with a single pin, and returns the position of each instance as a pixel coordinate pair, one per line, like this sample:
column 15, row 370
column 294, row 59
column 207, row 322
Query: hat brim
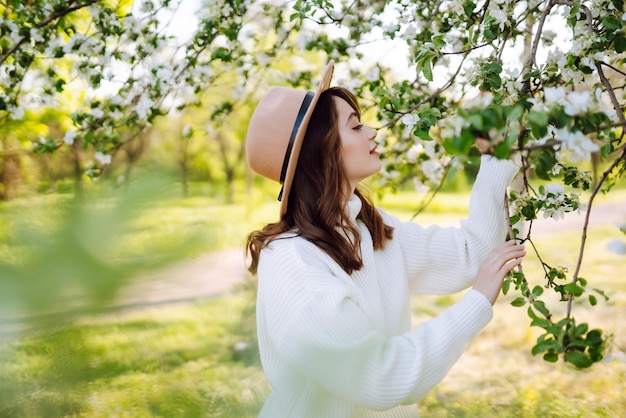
column 299, row 138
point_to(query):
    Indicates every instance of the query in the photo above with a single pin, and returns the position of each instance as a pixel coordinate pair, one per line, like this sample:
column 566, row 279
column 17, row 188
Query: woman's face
column 358, row 150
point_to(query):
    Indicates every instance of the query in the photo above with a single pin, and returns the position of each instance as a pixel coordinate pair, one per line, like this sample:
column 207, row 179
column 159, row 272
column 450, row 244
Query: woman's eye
column 358, row 127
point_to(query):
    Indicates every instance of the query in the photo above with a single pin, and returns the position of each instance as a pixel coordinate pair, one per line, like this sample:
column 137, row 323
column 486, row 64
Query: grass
column 175, row 361
column 199, row 360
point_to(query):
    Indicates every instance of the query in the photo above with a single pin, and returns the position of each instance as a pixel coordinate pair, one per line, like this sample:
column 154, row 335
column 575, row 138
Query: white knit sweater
column 335, row 345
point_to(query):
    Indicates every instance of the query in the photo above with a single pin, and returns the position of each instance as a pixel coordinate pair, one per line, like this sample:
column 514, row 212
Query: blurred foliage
column 170, row 361
column 73, row 255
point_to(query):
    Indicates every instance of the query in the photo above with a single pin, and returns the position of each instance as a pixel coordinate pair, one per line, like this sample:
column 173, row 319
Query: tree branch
column 612, row 67
column 535, row 44
column 426, row 201
column 583, row 239
column 52, row 17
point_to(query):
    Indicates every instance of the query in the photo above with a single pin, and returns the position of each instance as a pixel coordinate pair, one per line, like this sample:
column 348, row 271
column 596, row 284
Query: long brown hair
column 316, row 208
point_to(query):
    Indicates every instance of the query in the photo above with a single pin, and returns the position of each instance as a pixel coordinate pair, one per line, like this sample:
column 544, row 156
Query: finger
column 510, row 251
column 504, row 258
column 515, row 248
column 507, row 267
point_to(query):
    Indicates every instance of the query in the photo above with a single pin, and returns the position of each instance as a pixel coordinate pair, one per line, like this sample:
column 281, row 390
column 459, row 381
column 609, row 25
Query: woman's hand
column 494, row 268
column 484, row 145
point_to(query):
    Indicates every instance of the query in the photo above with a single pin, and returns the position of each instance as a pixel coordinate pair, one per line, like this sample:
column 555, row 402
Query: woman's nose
column 373, row 133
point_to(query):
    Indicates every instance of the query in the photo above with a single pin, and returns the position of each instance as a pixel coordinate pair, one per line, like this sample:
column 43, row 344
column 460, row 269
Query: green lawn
column 199, row 360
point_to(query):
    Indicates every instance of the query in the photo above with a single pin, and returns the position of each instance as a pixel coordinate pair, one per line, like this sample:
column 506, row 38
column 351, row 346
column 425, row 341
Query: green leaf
column 574, row 289
column 476, row 120
column 551, row 356
column 538, row 122
column 593, row 301
column 611, row 23
column 493, row 67
column 494, row 81
column 520, row 301
column 506, row 285
column 578, row 359
column 594, row 337
column 601, row 293
column 502, row 150
column 544, row 345
column 541, row 323
column 581, row 329
column 541, row 307
column 515, row 113
column 620, row 43
column 537, row 290
column 529, row 212
column 544, row 165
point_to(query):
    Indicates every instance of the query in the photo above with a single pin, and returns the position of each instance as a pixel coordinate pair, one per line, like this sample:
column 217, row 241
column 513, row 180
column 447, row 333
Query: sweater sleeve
column 445, row 260
column 318, row 328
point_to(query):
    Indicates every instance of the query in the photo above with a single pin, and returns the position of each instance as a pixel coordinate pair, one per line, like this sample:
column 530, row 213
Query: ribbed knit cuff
column 499, row 172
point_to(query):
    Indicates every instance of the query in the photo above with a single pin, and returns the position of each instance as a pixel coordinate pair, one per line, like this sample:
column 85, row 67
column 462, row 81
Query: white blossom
column 575, row 146
column 554, row 95
column 410, row 119
column 554, row 212
column 36, row 36
column 414, row 152
column 186, row 132
column 577, row 103
column 164, row 73
column 301, row 41
column 97, row 113
column 373, row 74
column 409, row 33
column 263, row 59
column 102, row 158
column 390, row 27
column 433, row 170
column 16, row 112
column 499, row 16
column 144, row 107
column 587, row 62
column 538, row 105
column 480, row 101
column 14, row 32
column 241, row 346
column 419, row 186
column 69, row 137
column 554, row 188
column 451, row 126
column 455, row 6
column 430, row 148
column 607, row 110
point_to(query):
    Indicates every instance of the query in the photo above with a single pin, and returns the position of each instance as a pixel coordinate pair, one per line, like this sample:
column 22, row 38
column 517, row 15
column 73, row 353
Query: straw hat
column 276, row 132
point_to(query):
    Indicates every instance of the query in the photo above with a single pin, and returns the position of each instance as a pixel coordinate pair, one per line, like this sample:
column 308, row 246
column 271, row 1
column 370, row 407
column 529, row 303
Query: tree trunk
column 78, row 170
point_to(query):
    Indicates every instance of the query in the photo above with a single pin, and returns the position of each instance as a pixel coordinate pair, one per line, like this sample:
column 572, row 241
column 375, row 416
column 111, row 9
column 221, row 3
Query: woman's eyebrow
column 352, row 115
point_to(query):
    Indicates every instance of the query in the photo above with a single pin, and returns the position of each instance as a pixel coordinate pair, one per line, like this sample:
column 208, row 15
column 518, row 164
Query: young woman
column 335, row 273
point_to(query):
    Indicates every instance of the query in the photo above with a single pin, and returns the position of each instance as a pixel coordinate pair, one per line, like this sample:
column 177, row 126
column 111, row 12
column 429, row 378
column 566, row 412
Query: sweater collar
column 354, row 207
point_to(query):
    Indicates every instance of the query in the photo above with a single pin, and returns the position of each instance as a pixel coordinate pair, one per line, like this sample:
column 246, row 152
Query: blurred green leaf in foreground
column 72, row 257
